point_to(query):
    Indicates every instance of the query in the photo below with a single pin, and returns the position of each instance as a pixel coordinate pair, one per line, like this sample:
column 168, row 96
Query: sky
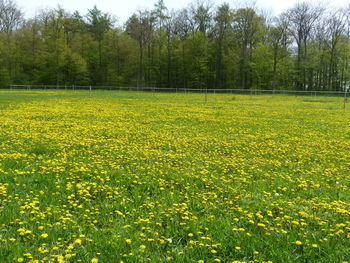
column 123, row 9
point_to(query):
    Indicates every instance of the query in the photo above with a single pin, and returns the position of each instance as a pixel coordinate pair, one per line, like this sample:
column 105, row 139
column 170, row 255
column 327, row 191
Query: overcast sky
column 122, row 9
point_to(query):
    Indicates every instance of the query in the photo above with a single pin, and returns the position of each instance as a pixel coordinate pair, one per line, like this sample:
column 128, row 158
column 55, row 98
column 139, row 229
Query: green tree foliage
column 201, row 47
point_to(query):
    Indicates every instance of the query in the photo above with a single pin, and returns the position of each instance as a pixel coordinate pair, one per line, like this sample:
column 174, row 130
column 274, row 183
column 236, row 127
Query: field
column 144, row 177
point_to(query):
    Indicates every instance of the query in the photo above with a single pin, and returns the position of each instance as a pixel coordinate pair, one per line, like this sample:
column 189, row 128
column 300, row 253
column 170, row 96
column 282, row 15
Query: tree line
column 204, row 46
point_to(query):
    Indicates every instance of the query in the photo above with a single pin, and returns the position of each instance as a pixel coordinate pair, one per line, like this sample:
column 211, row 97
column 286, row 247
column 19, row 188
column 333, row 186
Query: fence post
column 90, row 88
column 345, row 97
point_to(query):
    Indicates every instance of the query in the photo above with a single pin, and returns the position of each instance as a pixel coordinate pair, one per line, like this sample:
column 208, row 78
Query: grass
column 147, row 177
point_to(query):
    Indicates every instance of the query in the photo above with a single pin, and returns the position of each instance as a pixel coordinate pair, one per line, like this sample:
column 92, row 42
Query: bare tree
column 141, row 27
column 202, row 17
column 346, row 12
column 10, row 16
column 183, row 26
column 302, row 18
column 335, row 29
column 279, row 38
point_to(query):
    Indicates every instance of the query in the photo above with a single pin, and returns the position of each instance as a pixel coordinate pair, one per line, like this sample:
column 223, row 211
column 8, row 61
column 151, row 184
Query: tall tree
column 202, row 15
column 302, row 18
column 279, row 38
column 222, row 29
column 141, row 27
column 248, row 27
column 98, row 24
column 11, row 17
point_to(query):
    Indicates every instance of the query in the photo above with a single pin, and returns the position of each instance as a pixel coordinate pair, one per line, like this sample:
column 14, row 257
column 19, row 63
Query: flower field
column 143, row 177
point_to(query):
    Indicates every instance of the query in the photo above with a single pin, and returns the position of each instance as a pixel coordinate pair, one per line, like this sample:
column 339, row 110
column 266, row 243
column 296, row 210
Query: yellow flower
column 314, row 245
column 298, row 243
column 94, row 260
column 128, row 241
column 44, row 235
column 77, row 241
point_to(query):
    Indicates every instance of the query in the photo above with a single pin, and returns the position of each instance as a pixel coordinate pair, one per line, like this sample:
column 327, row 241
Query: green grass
column 160, row 177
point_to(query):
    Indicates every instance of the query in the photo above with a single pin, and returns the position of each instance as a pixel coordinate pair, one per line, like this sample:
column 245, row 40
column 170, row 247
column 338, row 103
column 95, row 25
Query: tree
column 197, row 60
column 335, row 29
column 201, row 15
column 279, row 38
column 248, row 27
column 98, row 23
column 302, row 18
column 222, row 29
column 10, row 16
column 182, row 27
column 141, row 27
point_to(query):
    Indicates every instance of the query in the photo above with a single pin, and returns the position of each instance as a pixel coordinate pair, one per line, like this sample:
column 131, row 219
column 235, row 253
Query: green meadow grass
column 162, row 177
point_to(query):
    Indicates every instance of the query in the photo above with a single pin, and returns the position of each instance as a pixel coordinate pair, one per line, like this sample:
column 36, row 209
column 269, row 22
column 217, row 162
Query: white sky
column 122, row 9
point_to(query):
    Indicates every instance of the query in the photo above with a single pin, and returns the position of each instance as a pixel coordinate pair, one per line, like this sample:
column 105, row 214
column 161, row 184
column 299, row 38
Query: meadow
column 162, row 177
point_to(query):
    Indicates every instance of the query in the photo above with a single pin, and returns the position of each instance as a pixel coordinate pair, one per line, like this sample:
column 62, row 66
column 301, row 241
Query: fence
column 185, row 90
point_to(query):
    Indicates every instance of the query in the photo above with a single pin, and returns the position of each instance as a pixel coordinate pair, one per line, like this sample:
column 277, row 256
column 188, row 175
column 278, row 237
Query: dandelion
column 77, row 241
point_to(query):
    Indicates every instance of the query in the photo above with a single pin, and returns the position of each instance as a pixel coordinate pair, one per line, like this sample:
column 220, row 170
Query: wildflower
column 77, row 241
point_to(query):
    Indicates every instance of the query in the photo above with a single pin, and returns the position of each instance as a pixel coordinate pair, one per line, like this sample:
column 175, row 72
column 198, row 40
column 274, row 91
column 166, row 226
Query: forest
column 306, row 47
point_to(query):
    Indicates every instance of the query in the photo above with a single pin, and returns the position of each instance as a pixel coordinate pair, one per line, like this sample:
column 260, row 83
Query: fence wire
column 183, row 90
